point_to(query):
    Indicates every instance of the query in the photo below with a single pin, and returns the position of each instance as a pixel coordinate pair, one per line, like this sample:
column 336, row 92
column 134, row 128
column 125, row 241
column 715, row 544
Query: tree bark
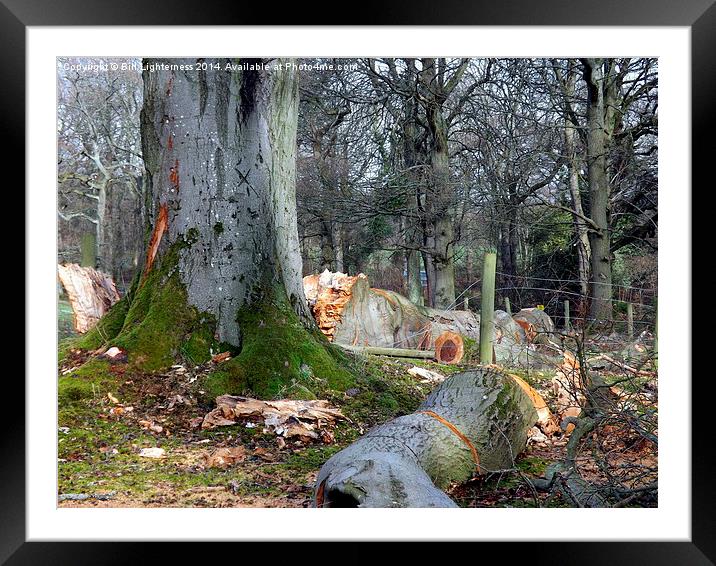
column 474, row 422
column 223, row 267
column 440, row 197
column 599, row 192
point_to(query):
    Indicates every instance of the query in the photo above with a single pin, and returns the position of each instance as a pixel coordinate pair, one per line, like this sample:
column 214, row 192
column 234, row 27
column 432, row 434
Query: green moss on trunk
column 160, row 327
column 279, row 357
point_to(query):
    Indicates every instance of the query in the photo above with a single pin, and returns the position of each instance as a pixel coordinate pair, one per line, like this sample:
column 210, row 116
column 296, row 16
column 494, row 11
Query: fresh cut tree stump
column 449, row 348
column 91, row 294
column 473, row 423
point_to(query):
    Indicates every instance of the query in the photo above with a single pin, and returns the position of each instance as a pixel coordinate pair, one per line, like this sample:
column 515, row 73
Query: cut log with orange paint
column 91, row 294
column 449, row 348
column 159, row 229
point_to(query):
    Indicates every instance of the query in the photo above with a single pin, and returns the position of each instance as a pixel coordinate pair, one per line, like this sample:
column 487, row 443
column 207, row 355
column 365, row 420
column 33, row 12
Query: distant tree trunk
column 440, row 197
column 429, row 276
column 441, row 211
column 413, row 158
column 223, row 266
column 338, row 246
column 599, row 191
column 580, row 226
column 415, row 284
column 508, row 251
column 328, row 258
column 88, row 246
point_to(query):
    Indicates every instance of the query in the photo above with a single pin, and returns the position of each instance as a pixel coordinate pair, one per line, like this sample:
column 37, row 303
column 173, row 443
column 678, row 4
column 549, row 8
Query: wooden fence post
column 487, row 308
column 566, row 315
column 507, row 306
column 630, row 321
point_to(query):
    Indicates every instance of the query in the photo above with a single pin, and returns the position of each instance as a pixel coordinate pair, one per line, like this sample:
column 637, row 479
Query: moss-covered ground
column 109, row 412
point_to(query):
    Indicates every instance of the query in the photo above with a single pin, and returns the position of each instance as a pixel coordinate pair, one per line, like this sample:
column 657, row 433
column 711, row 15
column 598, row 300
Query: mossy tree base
column 278, row 355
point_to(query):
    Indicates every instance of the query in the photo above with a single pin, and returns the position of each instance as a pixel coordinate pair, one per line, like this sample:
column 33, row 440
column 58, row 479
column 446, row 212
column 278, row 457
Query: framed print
column 280, row 250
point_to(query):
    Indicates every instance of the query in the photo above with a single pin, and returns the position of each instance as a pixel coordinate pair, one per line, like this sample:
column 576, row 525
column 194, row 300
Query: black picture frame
column 699, row 15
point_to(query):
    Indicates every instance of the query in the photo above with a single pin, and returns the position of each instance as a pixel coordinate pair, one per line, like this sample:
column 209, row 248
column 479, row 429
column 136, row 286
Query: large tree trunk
column 223, row 267
column 599, row 192
column 475, row 422
column 220, row 151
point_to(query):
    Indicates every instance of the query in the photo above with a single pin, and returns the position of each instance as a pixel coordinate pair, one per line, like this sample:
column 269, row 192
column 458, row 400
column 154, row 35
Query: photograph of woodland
column 414, row 282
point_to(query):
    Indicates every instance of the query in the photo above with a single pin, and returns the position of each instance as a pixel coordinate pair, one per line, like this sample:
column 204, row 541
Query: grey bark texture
column 219, row 148
column 407, row 461
column 599, row 191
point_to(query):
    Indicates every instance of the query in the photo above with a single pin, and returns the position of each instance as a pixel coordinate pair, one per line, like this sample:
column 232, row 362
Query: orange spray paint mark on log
column 460, row 435
column 159, row 229
column 174, row 175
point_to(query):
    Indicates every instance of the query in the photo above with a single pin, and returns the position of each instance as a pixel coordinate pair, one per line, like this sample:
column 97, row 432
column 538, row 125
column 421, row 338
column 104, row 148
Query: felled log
column 394, row 352
column 474, row 422
column 449, row 349
column 91, row 294
column 350, row 312
column 537, row 325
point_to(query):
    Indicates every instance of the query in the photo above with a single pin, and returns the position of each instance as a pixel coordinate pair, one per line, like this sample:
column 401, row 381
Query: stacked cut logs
column 353, row 314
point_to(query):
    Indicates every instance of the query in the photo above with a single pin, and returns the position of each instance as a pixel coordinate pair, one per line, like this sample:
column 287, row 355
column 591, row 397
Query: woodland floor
column 100, row 437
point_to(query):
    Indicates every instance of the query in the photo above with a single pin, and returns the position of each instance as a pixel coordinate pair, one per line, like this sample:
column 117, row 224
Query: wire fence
column 553, row 303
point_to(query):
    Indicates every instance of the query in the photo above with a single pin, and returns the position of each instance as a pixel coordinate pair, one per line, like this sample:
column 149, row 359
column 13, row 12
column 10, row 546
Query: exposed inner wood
column 91, row 294
column 159, row 229
column 449, row 348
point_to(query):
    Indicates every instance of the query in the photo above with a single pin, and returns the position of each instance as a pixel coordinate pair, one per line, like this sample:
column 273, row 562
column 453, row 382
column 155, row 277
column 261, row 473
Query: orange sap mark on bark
column 170, row 142
column 174, row 174
column 159, row 229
